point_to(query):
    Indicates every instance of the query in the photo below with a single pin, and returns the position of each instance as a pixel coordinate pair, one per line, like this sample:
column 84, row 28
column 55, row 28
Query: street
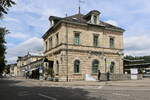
column 36, row 90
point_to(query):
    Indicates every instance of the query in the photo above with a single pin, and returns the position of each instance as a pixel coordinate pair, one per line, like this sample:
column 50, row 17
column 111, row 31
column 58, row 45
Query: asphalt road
column 10, row 90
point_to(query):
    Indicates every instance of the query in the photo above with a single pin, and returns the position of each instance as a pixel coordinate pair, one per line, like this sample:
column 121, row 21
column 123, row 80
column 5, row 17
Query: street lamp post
column 105, row 65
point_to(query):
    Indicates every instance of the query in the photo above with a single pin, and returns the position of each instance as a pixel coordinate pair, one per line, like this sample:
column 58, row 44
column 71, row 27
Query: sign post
column 134, row 73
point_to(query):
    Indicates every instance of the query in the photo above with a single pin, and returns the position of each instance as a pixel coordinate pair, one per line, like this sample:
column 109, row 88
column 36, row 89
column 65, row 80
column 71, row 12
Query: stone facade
column 60, row 48
column 28, row 63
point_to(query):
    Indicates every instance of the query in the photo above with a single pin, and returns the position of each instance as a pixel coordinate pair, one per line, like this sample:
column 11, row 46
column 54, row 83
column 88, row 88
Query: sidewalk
column 145, row 82
column 72, row 83
column 132, row 83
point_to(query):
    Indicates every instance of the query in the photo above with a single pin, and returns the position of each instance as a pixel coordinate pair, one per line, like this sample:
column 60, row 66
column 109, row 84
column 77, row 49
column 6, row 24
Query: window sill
column 77, row 44
column 77, row 73
column 94, row 74
column 96, row 46
column 112, row 47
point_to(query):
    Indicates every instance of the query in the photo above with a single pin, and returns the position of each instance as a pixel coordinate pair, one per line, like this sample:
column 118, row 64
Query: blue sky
column 28, row 21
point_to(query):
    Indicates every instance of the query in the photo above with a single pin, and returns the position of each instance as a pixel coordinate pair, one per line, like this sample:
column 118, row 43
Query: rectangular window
column 112, row 42
column 50, row 43
column 57, row 39
column 95, row 40
column 77, row 38
column 46, row 46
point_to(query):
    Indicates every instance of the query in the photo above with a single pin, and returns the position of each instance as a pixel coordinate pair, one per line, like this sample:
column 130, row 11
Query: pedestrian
column 26, row 75
column 99, row 75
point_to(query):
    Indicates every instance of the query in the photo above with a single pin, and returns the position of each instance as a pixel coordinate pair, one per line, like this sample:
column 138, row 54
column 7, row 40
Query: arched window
column 112, row 65
column 76, row 66
column 57, row 67
column 95, row 65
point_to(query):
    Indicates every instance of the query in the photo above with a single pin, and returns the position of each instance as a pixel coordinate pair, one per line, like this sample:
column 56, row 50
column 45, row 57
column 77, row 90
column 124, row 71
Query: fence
column 115, row 77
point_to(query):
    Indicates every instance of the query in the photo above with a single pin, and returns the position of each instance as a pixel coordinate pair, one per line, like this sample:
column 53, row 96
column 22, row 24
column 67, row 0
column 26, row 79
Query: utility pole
column 105, row 65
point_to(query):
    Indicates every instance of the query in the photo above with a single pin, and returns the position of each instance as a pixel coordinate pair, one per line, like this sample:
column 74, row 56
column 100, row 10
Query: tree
column 7, row 69
column 4, row 5
column 3, row 32
column 145, row 58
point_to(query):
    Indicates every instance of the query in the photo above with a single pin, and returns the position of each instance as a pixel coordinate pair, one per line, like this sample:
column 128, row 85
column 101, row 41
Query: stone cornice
column 60, row 48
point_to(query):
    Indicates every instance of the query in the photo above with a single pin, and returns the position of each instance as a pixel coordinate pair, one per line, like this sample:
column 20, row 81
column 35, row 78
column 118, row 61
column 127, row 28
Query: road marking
column 52, row 98
column 120, row 94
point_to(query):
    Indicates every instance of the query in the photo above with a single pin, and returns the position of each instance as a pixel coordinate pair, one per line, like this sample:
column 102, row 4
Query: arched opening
column 76, row 66
column 112, row 66
column 95, row 65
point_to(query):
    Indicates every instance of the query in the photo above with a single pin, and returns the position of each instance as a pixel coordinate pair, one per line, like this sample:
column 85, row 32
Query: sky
column 28, row 21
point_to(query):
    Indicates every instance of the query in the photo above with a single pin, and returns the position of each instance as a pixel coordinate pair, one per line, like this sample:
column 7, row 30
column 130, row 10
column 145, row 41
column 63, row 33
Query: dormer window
column 95, row 19
column 52, row 22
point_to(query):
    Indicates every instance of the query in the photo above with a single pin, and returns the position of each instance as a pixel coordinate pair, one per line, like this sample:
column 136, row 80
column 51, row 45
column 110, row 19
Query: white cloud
column 138, row 52
column 112, row 22
column 137, row 45
column 10, row 45
column 31, row 18
column 9, row 19
column 12, row 60
column 18, row 35
column 32, row 45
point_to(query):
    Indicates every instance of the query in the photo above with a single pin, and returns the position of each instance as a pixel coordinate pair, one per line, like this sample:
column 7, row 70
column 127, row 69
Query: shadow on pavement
column 10, row 91
column 6, row 81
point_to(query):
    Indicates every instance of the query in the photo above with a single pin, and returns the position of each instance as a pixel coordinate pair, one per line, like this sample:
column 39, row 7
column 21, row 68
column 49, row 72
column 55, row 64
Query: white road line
column 51, row 98
column 120, row 94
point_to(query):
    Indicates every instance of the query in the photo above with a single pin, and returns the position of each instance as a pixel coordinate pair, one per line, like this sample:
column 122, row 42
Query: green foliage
column 7, row 69
column 146, row 58
column 129, row 57
column 3, row 32
column 4, row 5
